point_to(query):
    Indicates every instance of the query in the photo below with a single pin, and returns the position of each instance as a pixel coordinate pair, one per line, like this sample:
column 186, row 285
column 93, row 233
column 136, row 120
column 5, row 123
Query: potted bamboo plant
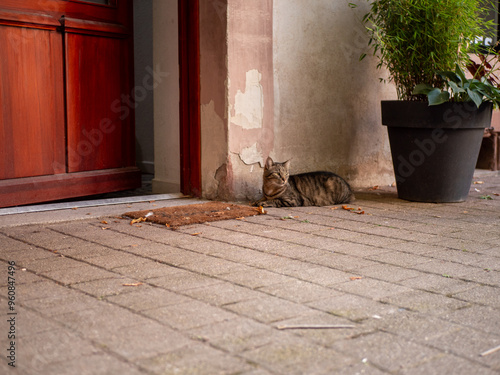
column 436, row 126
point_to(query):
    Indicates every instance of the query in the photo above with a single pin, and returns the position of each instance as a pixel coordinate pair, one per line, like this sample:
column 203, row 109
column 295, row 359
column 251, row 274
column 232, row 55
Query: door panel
column 95, row 122
column 31, row 103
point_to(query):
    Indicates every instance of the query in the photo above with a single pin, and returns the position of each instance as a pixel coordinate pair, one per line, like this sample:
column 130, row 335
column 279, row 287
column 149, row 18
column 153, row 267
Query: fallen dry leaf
column 195, row 234
column 104, row 222
column 261, row 210
column 478, row 182
column 348, row 208
column 240, row 218
column 333, row 208
column 138, row 220
column 359, row 212
column 104, row 228
column 355, row 278
column 374, row 187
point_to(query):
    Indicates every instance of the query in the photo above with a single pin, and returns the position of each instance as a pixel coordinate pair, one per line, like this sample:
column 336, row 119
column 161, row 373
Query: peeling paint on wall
column 249, row 105
column 251, row 155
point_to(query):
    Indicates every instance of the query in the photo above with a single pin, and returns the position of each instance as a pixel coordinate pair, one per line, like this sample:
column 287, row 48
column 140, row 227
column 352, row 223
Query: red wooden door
column 66, row 111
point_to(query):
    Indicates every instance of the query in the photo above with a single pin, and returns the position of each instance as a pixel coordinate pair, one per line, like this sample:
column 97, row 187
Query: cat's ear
column 269, row 162
column 286, row 164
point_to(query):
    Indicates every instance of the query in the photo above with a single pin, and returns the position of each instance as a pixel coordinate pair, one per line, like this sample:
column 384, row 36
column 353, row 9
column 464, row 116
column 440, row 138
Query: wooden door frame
column 189, row 73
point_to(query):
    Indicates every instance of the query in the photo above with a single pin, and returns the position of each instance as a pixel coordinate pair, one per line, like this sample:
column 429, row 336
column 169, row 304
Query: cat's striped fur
column 306, row 189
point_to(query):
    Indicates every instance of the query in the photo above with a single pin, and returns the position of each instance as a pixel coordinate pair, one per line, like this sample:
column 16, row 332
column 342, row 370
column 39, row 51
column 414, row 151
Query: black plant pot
column 434, row 148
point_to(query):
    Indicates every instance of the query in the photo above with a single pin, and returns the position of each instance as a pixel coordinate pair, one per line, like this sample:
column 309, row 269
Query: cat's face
column 276, row 173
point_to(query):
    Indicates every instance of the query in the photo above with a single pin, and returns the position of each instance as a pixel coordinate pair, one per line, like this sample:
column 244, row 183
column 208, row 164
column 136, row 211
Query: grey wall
column 143, row 59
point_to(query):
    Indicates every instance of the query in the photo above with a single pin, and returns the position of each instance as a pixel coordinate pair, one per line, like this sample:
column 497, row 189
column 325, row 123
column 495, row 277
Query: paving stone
column 324, row 243
column 235, row 335
column 277, row 264
column 146, row 298
column 298, row 356
column 443, row 267
column 299, row 291
column 320, row 275
column 386, row 351
column 109, row 287
column 482, row 318
column 391, row 273
column 14, row 250
column 414, row 248
column 400, row 259
column 114, row 259
column 371, row 288
column 22, row 276
column 442, row 365
column 485, row 295
column 222, row 294
column 61, row 303
column 213, row 266
column 51, row 346
column 101, row 321
column 416, row 326
column 438, row 284
column 42, row 289
column 81, row 273
column 268, row 309
column 30, row 322
column 469, row 343
column 353, row 307
column 342, row 262
column 483, row 276
column 460, row 244
column 143, row 341
column 147, row 270
column 324, row 336
column 38, row 236
column 360, row 250
column 254, row 277
column 95, row 364
column 422, row 301
column 299, row 252
column 189, row 315
column 196, row 359
column 183, row 280
column 52, row 263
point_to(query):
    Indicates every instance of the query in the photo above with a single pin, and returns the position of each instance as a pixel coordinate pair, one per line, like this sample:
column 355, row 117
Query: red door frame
column 189, row 66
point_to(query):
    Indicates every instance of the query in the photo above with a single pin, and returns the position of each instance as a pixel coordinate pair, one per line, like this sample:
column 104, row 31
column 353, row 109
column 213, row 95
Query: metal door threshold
column 88, row 203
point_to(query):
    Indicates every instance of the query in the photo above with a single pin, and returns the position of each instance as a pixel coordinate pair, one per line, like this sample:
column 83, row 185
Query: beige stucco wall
column 282, row 78
column 327, row 102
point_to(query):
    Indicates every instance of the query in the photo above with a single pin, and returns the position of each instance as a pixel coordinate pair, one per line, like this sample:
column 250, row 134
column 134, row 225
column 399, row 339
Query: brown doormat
column 194, row 213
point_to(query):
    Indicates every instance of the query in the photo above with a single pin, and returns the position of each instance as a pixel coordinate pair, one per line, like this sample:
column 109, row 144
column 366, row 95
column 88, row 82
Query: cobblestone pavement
column 410, row 288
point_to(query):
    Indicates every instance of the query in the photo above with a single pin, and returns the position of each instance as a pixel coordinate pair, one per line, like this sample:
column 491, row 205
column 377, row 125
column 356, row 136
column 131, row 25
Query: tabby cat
column 306, row 189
